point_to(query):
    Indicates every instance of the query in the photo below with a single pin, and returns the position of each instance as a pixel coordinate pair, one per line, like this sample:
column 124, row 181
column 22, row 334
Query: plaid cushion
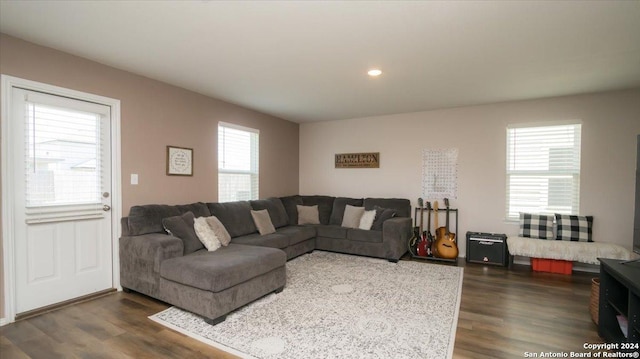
column 536, row 226
column 574, row 228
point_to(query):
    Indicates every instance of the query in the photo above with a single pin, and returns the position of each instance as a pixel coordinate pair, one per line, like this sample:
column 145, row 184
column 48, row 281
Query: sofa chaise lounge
column 180, row 271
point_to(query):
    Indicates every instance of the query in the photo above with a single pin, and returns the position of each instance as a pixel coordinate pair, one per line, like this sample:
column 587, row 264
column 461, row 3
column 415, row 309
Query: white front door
column 61, row 165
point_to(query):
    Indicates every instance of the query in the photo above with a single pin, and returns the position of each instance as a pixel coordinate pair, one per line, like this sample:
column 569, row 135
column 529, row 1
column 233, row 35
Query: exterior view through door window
column 62, row 163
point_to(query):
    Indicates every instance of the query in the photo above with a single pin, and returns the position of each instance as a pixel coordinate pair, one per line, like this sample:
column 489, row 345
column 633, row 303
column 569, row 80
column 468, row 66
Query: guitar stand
column 432, row 258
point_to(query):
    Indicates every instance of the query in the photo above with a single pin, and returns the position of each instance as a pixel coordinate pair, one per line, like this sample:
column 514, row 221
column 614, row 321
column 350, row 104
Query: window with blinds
column 238, row 154
column 62, row 156
column 543, row 170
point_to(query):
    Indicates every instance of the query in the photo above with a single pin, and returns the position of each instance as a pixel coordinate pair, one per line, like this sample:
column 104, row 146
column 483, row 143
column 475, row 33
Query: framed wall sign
column 358, row 160
column 179, row 161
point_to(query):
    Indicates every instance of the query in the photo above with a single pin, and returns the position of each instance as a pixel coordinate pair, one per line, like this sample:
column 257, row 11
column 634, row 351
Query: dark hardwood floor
column 503, row 314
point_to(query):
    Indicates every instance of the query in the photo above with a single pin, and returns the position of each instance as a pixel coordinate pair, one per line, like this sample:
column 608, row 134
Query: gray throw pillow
column 263, row 222
column 182, row 227
column 352, row 215
column 382, row 214
column 308, row 214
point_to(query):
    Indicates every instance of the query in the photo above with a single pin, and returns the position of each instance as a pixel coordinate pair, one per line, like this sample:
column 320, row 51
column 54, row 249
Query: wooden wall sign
column 358, row 160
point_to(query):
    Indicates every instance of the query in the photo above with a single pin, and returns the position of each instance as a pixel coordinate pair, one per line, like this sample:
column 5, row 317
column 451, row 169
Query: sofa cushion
column 273, row 240
column 362, row 235
column 206, row 234
column 325, row 206
column 297, row 234
column 332, row 231
column 401, row 205
column 290, row 204
column 224, row 268
column 352, row 216
column 235, row 216
column 382, row 214
column 262, row 221
column 199, row 209
column 182, row 227
column 339, row 204
column 308, row 215
column 276, row 210
column 148, row 218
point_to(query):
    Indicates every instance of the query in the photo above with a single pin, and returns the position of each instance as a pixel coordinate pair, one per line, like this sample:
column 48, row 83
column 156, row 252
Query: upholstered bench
column 560, row 237
column 213, row 284
column 584, row 252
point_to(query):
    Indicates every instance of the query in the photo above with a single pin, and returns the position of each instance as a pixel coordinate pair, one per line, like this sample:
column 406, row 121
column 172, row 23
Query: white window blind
column 238, row 154
column 543, row 169
column 62, row 156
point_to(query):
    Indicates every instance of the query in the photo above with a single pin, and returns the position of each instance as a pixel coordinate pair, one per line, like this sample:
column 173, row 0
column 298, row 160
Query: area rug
column 341, row 306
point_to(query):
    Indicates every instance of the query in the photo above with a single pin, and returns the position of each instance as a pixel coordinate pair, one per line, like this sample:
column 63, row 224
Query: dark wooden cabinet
column 619, row 301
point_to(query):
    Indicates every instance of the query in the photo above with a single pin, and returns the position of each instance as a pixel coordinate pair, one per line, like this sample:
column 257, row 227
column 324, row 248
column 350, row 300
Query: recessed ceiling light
column 374, row 72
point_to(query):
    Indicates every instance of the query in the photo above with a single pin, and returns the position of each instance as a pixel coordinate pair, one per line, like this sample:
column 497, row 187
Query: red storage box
column 551, row 265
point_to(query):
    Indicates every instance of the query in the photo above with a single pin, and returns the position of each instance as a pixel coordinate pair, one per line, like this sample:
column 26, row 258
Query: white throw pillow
column 263, row 222
column 367, row 219
column 352, row 215
column 205, row 234
column 218, row 228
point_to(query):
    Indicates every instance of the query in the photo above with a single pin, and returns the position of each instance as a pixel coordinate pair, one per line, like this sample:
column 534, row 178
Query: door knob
column 106, row 208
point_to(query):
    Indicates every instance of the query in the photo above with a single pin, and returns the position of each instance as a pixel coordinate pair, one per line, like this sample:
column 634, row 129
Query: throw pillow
column 218, row 228
column 182, row 227
column 574, row 228
column 206, row 234
column 367, row 219
column 536, row 226
column 352, row 215
column 382, row 214
column 308, row 214
column 263, row 222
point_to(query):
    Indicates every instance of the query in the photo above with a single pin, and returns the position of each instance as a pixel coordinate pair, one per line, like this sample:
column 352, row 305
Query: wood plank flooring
column 503, row 314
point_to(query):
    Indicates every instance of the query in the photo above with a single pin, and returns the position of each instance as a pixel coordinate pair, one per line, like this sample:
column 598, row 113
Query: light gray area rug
column 341, row 306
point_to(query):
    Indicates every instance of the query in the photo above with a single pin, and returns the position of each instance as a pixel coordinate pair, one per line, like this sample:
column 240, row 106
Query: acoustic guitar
column 445, row 244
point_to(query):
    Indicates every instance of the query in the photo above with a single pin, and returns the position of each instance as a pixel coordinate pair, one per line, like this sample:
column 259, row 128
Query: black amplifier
column 488, row 248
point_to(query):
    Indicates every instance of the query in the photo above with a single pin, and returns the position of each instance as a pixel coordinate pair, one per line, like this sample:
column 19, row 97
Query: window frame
column 254, row 165
column 574, row 172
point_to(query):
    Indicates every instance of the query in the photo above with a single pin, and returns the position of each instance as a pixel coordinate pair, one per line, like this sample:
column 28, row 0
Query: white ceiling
column 307, row 61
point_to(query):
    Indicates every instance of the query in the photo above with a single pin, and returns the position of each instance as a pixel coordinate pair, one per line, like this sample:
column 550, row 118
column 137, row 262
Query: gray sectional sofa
column 178, row 269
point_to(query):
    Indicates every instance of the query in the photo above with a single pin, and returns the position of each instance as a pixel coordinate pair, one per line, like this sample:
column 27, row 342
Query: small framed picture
column 179, row 161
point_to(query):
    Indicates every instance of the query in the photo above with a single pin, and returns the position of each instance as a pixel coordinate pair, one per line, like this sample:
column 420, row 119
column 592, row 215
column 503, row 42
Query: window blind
column 543, row 170
column 63, row 151
column 238, row 155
